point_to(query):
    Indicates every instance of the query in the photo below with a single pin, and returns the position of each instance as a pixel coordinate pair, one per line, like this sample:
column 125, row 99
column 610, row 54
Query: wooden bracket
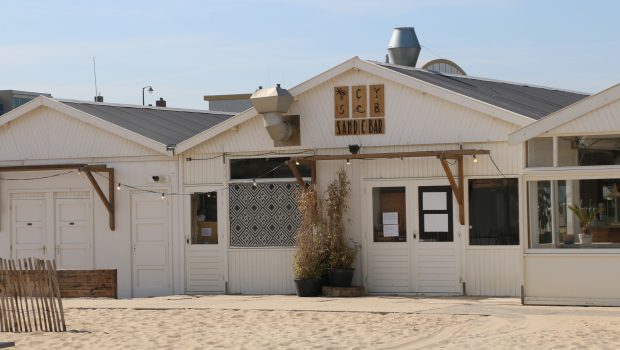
column 457, row 189
column 108, row 203
column 291, row 164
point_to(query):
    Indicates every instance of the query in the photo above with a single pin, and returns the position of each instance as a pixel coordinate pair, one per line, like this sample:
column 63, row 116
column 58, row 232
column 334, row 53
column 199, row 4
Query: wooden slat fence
column 30, row 296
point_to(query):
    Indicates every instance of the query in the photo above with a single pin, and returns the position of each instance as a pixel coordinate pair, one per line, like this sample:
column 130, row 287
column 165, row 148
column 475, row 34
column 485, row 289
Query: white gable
column 44, row 133
column 604, row 120
column 411, row 117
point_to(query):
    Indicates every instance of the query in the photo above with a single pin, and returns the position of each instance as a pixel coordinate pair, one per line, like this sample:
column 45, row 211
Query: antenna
column 95, row 73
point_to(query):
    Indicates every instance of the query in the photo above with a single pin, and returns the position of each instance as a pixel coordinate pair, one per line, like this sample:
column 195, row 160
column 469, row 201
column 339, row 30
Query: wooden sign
column 362, row 121
column 377, row 101
column 341, row 102
column 359, row 104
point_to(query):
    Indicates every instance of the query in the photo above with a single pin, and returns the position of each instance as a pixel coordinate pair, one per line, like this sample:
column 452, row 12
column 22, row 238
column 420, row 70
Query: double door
column 412, row 239
column 49, row 226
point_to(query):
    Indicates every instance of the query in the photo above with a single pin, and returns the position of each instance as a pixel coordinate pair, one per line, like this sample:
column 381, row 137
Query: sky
column 187, row 49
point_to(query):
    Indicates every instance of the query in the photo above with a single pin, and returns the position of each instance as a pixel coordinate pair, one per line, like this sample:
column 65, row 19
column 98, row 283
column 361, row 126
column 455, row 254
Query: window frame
column 468, row 212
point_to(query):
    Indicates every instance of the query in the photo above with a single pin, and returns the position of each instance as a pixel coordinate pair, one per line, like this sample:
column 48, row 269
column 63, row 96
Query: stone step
column 353, row 291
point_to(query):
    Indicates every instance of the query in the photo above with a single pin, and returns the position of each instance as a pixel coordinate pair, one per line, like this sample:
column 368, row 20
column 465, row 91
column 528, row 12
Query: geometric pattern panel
column 265, row 215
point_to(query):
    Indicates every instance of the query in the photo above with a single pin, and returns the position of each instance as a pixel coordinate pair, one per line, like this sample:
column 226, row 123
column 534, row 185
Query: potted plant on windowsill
column 585, row 216
column 341, row 254
column 310, row 257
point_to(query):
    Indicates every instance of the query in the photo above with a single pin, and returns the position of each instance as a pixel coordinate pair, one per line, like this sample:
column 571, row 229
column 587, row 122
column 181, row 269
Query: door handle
column 415, row 236
column 187, row 240
column 72, row 223
column 29, row 224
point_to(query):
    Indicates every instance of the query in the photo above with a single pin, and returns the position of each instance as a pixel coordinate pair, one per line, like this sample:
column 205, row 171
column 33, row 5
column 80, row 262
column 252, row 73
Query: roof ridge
column 174, row 109
column 482, row 78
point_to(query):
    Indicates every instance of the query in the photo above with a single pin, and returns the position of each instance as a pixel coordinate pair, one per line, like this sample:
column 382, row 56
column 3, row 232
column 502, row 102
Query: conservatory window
column 574, row 213
column 540, row 152
column 588, row 150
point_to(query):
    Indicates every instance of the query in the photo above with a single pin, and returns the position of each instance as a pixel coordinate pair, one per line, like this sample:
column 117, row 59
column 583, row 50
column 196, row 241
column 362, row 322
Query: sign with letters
column 359, row 110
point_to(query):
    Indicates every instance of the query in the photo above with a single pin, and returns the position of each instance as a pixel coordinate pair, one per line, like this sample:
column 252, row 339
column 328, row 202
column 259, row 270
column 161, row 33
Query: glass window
column 264, row 168
column 574, row 213
column 588, row 150
column 540, row 152
column 389, row 218
column 493, row 212
column 18, row 101
column 435, row 212
column 204, row 218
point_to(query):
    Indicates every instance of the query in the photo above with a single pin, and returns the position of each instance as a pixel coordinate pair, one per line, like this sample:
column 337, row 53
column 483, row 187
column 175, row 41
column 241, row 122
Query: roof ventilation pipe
column 404, row 47
column 272, row 103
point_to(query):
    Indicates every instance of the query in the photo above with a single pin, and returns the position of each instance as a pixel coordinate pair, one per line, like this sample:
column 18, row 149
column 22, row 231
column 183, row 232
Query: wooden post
column 291, row 164
column 456, row 189
column 107, row 203
column 112, row 210
column 461, row 190
column 313, row 172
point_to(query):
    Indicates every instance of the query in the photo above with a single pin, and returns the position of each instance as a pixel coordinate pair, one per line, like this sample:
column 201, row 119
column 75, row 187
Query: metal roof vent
column 404, row 47
column 272, row 103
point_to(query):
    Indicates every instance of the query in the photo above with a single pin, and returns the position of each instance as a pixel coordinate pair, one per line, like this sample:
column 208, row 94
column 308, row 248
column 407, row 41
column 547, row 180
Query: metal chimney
column 161, row 102
column 404, row 47
column 98, row 98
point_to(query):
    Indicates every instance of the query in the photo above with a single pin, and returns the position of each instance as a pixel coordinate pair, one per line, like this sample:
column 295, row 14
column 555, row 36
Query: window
column 493, row 212
column 588, row 150
column 389, row 214
column 204, row 218
column 540, row 152
column 264, row 168
column 18, row 101
column 552, row 223
column 435, row 210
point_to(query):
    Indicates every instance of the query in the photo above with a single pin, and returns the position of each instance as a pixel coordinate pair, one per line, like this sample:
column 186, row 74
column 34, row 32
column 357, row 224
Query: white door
column 411, row 237
column 28, row 228
column 74, row 234
column 150, row 232
column 205, row 243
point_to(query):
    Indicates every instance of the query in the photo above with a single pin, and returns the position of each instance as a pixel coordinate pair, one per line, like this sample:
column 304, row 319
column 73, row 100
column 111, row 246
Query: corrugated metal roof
column 528, row 100
column 168, row 126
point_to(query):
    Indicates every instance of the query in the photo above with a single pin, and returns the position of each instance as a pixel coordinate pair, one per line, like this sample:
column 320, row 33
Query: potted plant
column 341, row 254
column 310, row 257
column 585, row 216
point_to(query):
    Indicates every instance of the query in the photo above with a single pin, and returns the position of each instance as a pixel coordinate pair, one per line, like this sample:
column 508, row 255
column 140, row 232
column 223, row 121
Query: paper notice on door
column 390, row 218
column 390, row 230
column 206, row 232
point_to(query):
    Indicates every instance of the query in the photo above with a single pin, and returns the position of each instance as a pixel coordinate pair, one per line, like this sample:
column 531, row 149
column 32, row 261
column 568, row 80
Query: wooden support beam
column 111, row 199
column 456, row 189
column 449, row 154
column 291, row 164
column 106, row 203
column 313, row 172
column 462, row 190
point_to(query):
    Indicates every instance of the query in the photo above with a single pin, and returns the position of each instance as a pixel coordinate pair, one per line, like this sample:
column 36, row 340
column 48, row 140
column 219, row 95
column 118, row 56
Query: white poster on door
column 390, row 218
column 436, row 223
column 390, row 230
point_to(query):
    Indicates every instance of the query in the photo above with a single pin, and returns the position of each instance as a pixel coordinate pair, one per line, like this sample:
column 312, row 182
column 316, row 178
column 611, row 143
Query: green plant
column 341, row 254
column 310, row 257
column 585, row 215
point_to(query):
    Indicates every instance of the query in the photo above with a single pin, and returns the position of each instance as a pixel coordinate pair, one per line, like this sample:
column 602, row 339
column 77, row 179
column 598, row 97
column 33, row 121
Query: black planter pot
column 340, row 277
column 309, row 287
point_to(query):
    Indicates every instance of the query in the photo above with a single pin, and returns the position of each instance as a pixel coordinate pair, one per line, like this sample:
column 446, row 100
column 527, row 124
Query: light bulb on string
column 296, row 161
column 348, row 162
column 163, row 195
column 475, row 159
column 254, row 183
column 118, row 187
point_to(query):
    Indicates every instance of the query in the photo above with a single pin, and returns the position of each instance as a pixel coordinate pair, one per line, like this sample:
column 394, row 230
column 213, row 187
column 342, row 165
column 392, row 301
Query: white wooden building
column 227, row 218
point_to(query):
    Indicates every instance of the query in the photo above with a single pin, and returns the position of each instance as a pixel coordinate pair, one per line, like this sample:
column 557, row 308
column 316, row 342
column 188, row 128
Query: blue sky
column 187, row 49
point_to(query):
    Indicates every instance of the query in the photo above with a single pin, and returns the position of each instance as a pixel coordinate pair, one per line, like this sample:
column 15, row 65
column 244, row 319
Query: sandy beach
column 288, row 322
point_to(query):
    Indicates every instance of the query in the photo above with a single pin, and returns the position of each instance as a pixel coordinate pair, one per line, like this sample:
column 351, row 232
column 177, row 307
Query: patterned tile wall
column 265, row 215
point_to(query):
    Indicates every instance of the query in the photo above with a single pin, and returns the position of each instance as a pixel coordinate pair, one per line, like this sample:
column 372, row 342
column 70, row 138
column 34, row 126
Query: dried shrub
column 341, row 254
column 310, row 258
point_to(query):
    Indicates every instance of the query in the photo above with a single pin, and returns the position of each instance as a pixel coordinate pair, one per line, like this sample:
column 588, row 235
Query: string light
column 208, row 194
column 118, row 187
column 254, row 183
column 163, row 195
column 348, row 162
column 475, row 159
column 296, row 161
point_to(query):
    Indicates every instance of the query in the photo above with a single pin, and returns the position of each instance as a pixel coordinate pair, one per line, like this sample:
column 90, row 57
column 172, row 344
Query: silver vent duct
column 272, row 103
column 404, row 47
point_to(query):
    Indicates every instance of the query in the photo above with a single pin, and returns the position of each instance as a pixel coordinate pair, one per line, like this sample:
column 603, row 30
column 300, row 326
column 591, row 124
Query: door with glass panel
column 204, row 242
column 412, row 246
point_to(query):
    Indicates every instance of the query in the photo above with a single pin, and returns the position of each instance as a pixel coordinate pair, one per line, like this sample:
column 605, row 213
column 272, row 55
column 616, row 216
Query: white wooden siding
column 205, row 270
column 260, row 271
column 493, row 270
column 48, row 134
column 604, row 120
column 389, row 268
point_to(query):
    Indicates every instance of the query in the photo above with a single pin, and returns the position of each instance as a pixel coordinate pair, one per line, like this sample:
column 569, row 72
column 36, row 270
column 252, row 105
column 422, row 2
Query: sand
column 287, row 322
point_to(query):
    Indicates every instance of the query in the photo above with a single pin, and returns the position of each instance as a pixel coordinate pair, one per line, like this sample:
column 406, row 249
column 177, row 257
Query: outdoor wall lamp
column 150, row 90
column 354, row 149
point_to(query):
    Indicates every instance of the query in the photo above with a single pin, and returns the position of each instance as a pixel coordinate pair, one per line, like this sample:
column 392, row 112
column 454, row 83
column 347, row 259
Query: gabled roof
column 531, row 101
column 165, row 125
column 153, row 127
column 506, row 101
column 566, row 115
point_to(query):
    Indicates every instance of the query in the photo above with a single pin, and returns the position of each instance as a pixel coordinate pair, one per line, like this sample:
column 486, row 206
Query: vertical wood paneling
column 604, row 120
column 260, row 271
column 493, row 271
column 48, row 134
